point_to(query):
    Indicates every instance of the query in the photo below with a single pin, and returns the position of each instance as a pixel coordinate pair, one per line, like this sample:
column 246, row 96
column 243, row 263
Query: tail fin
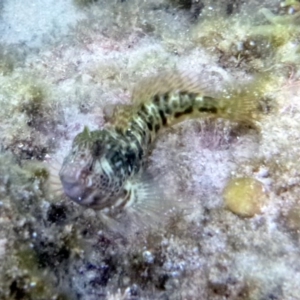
column 244, row 104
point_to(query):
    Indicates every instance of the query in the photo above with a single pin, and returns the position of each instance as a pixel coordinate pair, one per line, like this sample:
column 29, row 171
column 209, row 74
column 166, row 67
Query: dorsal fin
column 165, row 82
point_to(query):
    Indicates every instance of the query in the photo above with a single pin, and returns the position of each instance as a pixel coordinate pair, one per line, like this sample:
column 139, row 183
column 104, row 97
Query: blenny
column 105, row 168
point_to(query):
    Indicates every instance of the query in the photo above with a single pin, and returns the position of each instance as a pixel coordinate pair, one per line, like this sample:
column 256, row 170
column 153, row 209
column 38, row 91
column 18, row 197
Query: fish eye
column 96, row 199
column 97, row 148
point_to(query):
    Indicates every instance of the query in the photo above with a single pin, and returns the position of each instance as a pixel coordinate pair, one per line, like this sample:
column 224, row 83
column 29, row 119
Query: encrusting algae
column 105, row 169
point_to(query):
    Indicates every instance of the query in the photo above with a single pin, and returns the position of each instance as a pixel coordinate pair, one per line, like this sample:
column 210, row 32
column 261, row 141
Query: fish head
column 87, row 175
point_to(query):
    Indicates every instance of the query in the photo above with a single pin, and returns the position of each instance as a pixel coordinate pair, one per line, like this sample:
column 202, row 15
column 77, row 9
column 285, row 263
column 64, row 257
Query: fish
column 106, row 169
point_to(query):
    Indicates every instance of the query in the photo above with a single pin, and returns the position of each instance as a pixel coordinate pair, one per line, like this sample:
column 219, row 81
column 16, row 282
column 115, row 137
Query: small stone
column 148, row 257
column 244, row 196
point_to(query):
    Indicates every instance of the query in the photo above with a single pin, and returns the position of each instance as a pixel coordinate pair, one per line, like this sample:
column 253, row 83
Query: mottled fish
column 104, row 169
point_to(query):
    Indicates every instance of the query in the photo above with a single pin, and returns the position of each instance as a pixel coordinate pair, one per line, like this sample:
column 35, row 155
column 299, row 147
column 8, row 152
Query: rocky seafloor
column 62, row 63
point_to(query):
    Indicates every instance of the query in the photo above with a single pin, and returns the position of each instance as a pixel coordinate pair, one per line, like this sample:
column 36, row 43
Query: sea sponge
column 244, row 196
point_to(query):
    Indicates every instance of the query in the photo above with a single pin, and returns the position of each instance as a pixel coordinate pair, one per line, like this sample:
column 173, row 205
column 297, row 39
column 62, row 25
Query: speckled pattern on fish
column 104, row 167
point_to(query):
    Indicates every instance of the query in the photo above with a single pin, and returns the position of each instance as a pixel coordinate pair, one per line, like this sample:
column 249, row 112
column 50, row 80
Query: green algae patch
column 28, row 281
column 6, row 63
column 244, row 197
column 33, row 98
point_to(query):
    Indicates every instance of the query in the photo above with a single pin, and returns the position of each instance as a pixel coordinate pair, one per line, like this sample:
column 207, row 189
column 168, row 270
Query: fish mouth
column 73, row 188
column 82, row 192
column 78, row 192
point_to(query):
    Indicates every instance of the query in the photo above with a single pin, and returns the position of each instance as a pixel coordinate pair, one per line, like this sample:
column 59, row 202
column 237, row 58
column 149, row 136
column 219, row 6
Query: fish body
column 104, row 169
